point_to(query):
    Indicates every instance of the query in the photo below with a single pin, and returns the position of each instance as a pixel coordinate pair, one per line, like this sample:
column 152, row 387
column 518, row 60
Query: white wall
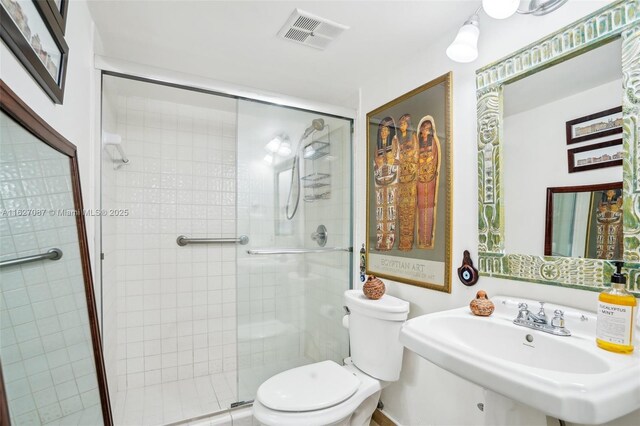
column 75, row 118
column 426, row 394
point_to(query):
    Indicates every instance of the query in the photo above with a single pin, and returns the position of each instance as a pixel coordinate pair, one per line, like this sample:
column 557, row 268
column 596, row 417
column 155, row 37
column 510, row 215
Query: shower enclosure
column 211, row 280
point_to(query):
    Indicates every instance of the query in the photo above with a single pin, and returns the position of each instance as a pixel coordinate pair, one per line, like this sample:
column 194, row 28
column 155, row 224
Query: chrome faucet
column 540, row 322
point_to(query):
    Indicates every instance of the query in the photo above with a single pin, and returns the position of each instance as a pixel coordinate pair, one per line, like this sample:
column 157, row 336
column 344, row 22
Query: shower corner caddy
column 317, row 185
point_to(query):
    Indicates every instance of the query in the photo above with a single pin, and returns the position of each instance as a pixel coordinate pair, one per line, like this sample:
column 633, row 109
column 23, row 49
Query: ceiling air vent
column 304, row 28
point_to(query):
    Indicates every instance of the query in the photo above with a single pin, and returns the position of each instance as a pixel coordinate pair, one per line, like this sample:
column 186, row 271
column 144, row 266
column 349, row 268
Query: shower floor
column 175, row 401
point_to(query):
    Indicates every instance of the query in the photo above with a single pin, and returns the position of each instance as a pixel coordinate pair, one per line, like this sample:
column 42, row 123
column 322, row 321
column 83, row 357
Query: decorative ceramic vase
column 481, row 305
column 373, row 288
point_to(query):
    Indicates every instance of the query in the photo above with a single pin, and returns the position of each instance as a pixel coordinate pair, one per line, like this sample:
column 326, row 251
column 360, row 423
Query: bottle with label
column 616, row 308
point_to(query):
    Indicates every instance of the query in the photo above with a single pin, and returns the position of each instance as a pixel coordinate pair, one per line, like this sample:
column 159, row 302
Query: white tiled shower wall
column 47, row 356
column 176, row 315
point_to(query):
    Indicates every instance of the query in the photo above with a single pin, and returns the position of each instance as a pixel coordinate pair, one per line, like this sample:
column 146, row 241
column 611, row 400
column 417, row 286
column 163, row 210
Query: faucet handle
column 541, row 312
column 558, row 319
column 524, row 311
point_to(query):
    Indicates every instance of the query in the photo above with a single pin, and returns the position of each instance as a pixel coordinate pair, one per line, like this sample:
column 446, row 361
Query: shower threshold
column 175, row 402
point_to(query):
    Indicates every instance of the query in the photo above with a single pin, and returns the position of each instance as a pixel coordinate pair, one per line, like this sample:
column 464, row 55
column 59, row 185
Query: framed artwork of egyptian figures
column 409, row 189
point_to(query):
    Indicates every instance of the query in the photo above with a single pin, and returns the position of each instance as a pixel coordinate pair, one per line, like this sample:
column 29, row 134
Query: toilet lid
column 311, row 387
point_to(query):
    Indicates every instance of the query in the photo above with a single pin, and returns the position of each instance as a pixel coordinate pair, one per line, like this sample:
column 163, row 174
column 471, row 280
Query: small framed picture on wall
column 596, row 156
column 34, row 31
column 594, row 126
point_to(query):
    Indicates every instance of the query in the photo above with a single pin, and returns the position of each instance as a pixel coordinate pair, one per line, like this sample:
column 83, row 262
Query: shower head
column 317, row 124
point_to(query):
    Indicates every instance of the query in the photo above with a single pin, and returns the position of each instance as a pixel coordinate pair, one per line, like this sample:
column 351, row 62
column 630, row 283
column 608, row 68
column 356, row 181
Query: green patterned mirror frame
column 620, row 19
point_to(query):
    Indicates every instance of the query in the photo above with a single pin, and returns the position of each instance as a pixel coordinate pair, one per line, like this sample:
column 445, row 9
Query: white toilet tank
column 374, row 329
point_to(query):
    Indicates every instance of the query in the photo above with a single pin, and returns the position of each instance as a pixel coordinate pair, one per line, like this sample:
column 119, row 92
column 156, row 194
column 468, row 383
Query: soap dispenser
column 616, row 306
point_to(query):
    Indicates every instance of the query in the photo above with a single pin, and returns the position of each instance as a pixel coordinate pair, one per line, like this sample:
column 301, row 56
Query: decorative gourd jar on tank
column 373, row 288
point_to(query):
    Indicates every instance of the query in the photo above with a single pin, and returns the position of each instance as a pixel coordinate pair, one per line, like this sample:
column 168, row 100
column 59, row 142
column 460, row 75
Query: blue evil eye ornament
column 467, row 273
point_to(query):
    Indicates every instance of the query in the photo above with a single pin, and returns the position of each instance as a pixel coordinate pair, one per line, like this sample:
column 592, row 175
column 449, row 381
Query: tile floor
column 175, row 401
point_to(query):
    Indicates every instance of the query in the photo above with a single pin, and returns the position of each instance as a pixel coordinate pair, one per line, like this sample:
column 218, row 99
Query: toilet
column 326, row 393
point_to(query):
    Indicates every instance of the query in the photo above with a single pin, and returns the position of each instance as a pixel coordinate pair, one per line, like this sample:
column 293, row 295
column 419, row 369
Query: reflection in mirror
column 584, row 221
column 535, row 149
column 282, row 184
column 48, row 325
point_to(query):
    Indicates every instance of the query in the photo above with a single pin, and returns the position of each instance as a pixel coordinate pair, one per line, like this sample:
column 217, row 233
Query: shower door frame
column 105, row 67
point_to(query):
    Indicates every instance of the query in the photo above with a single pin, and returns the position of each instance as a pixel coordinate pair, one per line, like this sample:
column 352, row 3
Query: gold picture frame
column 409, row 187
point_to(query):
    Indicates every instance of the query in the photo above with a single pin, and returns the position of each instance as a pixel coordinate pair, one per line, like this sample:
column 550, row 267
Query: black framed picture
column 594, row 126
column 34, row 34
column 596, row 156
column 55, row 11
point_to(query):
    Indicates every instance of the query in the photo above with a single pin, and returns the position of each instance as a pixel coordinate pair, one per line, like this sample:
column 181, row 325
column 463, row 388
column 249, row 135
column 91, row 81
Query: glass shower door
column 294, row 175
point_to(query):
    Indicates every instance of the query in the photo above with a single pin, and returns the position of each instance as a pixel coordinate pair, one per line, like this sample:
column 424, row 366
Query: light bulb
column 274, row 144
column 268, row 159
column 285, row 149
column 465, row 46
column 500, row 9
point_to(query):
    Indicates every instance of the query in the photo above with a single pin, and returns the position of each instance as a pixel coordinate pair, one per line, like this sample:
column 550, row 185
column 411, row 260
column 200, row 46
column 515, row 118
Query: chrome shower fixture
column 316, row 125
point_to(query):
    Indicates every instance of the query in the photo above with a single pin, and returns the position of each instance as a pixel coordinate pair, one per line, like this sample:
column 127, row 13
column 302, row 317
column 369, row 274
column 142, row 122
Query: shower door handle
column 297, row 250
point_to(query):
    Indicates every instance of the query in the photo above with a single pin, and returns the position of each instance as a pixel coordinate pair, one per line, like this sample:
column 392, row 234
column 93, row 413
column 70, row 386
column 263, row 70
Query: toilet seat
column 308, row 388
column 368, row 386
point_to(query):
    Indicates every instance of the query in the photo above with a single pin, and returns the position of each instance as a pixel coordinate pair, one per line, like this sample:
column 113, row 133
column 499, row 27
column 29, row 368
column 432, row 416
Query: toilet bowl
column 326, row 393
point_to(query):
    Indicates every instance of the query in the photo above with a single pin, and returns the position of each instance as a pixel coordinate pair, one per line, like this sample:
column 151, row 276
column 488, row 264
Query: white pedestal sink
column 565, row 377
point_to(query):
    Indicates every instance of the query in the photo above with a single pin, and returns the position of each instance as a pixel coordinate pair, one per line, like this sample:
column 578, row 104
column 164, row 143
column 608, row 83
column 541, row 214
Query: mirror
column 584, row 221
column 52, row 366
column 559, row 114
column 535, row 155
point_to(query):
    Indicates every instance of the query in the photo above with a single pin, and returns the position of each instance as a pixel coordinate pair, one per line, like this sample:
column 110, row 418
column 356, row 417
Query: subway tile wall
column 176, row 315
column 45, row 342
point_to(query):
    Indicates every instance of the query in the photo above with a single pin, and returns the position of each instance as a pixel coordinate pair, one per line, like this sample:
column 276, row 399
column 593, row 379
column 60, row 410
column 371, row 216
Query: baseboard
column 382, row 419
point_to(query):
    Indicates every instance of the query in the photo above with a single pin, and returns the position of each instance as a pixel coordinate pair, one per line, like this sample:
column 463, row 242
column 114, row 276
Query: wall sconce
column 464, row 47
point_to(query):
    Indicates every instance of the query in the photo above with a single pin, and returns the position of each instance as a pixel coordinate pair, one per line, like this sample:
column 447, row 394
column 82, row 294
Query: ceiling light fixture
column 464, row 47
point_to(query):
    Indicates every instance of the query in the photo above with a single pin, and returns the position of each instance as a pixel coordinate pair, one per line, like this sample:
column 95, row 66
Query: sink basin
column 569, row 378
